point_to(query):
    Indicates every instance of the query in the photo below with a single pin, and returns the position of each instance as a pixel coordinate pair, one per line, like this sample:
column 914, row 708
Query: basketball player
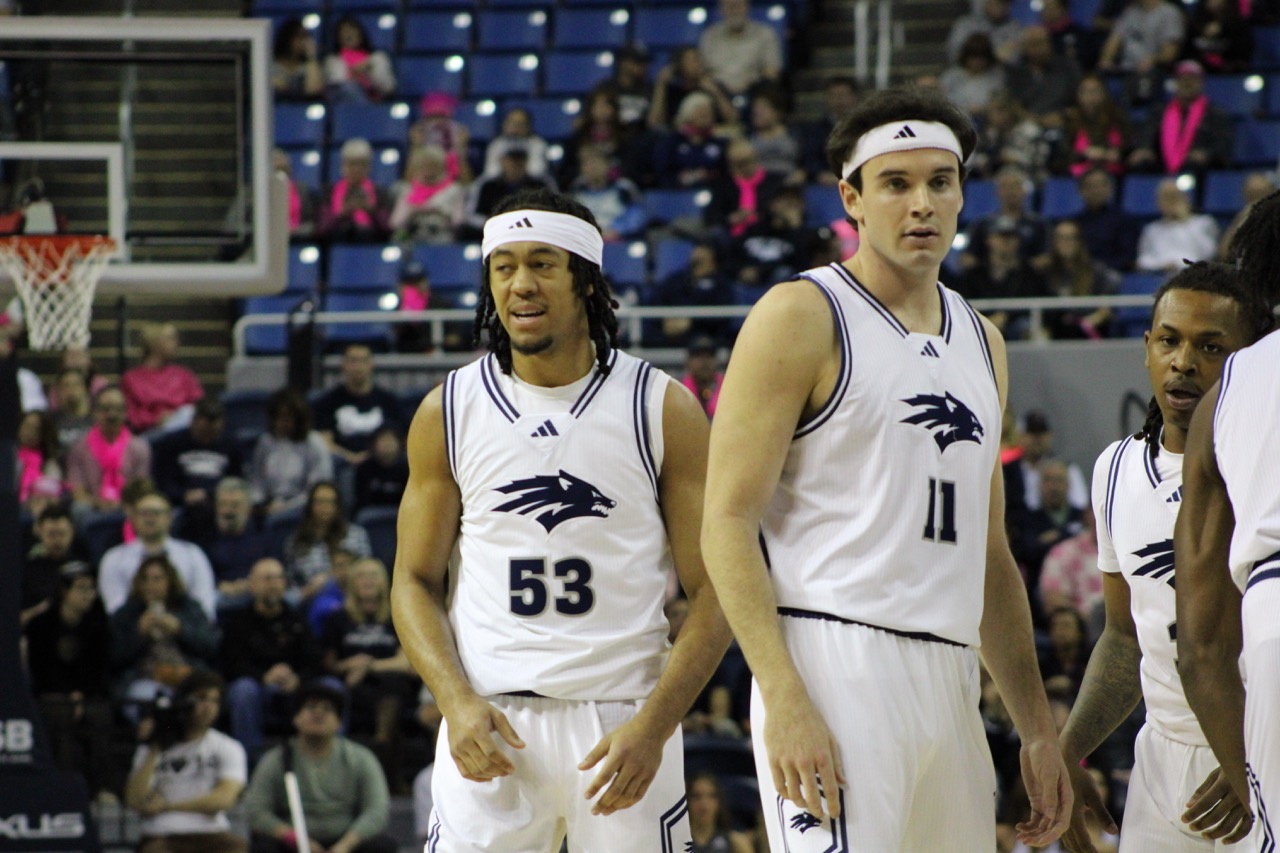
column 1178, row 799
column 867, row 397
column 1227, row 546
column 569, row 475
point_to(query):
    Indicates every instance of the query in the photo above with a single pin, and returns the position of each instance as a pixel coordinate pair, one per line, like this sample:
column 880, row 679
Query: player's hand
column 803, row 757
column 631, row 753
column 1088, row 799
column 471, row 741
column 1048, row 789
column 1216, row 812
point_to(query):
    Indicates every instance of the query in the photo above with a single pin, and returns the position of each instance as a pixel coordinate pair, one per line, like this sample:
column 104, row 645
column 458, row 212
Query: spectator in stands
column 267, row 651
column 188, row 464
column 776, row 145
column 343, row 791
column 702, row 282
column 840, row 96
column 437, row 126
column 415, row 295
column 1004, row 272
column 703, row 376
column 77, row 358
column 1013, row 189
column 1070, row 39
column 517, row 134
column 362, row 650
column 185, row 781
column 159, row 635
column 289, row 457
column 1219, row 37
column 1037, row 449
column 1096, row 131
column 357, row 210
column 615, row 201
column 739, row 52
column 323, row 529
column 237, row 542
column 429, row 201
column 72, row 410
column 484, row 195
column 682, row 76
column 68, row 662
column 778, row 246
column 151, row 517
column 302, row 201
column 39, row 456
column 109, row 457
column 1009, row 137
column 348, row 414
column 1070, row 576
column 354, row 72
column 1070, row 270
column 1110, row 234
column 295, row 66
column 1178, row 236
column 1190, row 134
column 1144, row 42
column 334, row 594
column 709, row 818
column 975, row 77
column 994, row 22
column 382, row 477
column 1063, row 661
column 1257, row 186
column 56, row 546
column 159, row 392
column 693, row 157
column 741, row 197
column 1043, row 82
column 1048, row 524
column 630, row 85
column 598, row 128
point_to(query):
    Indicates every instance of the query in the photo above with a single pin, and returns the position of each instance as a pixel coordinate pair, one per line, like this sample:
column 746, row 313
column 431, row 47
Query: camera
column 170, row 716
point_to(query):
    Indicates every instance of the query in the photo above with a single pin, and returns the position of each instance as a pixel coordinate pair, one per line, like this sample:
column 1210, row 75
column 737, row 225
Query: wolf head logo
column 949, row 419
column 556, row 498
column 805, row 822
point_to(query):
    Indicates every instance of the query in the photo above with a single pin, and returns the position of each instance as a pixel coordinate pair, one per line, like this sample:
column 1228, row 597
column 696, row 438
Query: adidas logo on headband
column 905, row 133
column 522, row 223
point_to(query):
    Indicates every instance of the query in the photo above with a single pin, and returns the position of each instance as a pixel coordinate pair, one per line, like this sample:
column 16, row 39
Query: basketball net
column 56, row 275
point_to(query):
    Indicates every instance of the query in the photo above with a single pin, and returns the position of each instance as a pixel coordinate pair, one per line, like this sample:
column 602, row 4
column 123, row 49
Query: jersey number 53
column 529, row 586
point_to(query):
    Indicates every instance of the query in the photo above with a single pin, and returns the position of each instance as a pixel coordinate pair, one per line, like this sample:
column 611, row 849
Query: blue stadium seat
column 510, row 29
column 300, row 124
column 245, row 413
column 669, row 205
column 307, row 167
column 1271, row 93
column 364, row 267
column 1060, row 198
column 437, row 31
column 268, row 340
column 480, row 117
column 1257, row 142
column 748, row 294
column 385, row 171
column 381, row 27
column 669, row 26
column 1132, row 322
column 304, row 269
column 626, row 263
column 1024, row 13
column 553, row 118
column 450, row 264
column 822, row 206
column 380, row 124
column 417, row 75
column 979, row 200
column 601, row 28
column 1228, row 92
column 380, row 523
column 1138, row 195
column 342, row 7
column 337, row 335
column 1223, row 192
column 670, row 256
column 575, row 73
column 1266, row 47
column 503, row 75
column 519, row 4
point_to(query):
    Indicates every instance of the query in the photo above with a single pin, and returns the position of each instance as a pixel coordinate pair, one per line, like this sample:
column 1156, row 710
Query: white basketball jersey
column 563, row 556
column 880, row 515
column 1245, row 425
column 1136, row 501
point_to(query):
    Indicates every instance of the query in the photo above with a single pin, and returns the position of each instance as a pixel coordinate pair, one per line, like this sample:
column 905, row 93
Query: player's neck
column 1173, row 439
column 557, row 366
column 912, row 296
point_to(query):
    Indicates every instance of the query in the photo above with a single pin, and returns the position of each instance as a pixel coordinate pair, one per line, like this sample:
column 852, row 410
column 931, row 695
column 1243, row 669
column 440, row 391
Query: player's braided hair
column 1222, row 280
column 1254, row 248
column 588, row 282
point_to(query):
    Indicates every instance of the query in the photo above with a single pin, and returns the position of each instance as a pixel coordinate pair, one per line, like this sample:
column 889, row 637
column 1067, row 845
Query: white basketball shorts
column 1262, row 704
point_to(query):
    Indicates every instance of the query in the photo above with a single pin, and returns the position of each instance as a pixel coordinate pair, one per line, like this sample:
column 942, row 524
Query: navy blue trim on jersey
column 433, row 835
column 842, row 378
column 839, row 828
column 669, row 821
column 764, row 550
column 1264, row 570
column 450, row 427
column 593, row 387
column 1149, row 463
column 946, row 313
column 640, row 420
column 871, row 299
column 1268, row 839
column 1113, row 479
column 490, row 380
column 982, row 341
column 801, row 613
column 1223, row 383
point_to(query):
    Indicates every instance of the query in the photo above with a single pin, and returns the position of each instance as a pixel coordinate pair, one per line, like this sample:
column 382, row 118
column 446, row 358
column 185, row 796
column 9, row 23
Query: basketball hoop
column 56, row 275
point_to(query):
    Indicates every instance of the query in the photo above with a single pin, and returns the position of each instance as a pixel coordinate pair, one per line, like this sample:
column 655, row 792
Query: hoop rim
column 57, row 242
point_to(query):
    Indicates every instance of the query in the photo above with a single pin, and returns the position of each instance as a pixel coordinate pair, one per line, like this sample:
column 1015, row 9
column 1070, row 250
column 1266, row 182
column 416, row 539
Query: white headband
column 901, row 136
column 542, row 226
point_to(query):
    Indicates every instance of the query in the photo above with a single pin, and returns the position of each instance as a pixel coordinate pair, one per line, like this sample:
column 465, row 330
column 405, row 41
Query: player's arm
column 430, row 513
column 1008, row 649
column 1209, row 627
column 631, row 754
column 786, row 357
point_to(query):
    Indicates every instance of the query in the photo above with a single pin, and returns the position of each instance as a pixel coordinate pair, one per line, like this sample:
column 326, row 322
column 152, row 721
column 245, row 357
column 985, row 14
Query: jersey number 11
column 942, row 504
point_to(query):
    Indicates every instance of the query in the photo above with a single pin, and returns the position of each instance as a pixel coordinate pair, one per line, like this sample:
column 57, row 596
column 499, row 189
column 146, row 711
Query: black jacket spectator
column 253, row 643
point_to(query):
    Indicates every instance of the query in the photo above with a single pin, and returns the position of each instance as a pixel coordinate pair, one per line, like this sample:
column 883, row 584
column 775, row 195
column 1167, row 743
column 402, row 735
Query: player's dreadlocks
column 1254, row 248
column 588, row 282
column 1221, row 280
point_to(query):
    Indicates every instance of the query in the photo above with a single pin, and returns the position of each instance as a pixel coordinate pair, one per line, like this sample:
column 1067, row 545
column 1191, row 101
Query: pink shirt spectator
column 153, row 392
column 1070, row 575
column 83, row 470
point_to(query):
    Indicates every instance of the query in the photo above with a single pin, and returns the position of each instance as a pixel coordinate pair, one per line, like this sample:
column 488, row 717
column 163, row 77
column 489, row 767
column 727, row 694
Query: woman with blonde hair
column 160, row 393
column 429, row 201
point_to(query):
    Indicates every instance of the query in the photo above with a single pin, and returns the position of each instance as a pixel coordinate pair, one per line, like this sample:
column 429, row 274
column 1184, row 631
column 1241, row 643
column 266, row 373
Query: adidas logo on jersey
column 1176, row 497
column 547, row 429
column 930, row 351
column 905, row 133
column 523, row 223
